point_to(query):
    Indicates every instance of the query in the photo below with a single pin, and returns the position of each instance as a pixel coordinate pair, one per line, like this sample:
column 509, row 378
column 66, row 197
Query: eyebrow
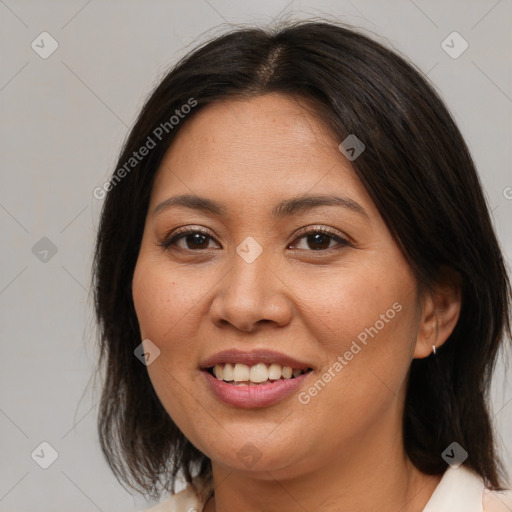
column 285, row 208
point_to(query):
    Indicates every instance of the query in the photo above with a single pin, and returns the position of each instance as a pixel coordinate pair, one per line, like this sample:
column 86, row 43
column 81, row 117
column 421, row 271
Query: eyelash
column 177, row 235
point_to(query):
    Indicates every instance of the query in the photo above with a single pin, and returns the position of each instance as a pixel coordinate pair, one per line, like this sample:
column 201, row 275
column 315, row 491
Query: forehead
column 255, row 150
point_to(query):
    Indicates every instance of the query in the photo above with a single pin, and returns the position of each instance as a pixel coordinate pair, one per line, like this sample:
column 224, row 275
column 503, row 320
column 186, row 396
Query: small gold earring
column 434, row 349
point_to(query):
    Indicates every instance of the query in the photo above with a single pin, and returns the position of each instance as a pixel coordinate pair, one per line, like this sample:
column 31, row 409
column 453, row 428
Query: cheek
column 161, row 299
column 343, row 303
column 362, row 385
column 162, row 318
column 365, row 322
column 164, row 302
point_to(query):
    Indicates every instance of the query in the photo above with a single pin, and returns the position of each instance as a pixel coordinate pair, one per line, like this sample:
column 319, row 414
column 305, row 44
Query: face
column 324, row 285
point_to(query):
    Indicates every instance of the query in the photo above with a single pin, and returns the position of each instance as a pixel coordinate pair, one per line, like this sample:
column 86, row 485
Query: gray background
column 63, row 120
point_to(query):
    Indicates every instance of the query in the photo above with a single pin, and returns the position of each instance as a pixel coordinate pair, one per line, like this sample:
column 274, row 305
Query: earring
column 434, row 349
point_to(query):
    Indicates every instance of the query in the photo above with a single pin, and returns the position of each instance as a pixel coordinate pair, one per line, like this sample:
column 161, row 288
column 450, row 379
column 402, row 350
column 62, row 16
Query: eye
column 319, row 239
column 195, row 239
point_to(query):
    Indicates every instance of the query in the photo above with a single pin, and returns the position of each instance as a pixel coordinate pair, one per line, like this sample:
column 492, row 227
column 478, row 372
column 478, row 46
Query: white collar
column 460, row 490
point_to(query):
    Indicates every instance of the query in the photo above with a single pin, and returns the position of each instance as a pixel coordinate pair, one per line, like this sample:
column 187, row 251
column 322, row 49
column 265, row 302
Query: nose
column 250, row 295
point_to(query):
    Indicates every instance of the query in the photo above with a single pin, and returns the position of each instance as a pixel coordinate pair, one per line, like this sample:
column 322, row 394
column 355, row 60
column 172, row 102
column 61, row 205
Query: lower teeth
column 250, row 383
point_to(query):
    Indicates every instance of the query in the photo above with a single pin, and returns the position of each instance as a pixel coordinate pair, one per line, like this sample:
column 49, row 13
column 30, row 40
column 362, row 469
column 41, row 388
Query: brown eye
column 320, row 239
column 317, row 239
column 195, row 239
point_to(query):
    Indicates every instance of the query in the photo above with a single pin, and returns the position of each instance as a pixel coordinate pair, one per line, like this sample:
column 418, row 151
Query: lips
column 247, row 394
column 254, row 396
column 252, row 358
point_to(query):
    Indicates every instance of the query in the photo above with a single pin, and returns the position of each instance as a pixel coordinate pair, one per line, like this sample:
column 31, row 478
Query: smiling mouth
column 244, row 375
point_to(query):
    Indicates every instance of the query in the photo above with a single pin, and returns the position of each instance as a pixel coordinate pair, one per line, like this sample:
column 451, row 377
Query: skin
column 342, row 451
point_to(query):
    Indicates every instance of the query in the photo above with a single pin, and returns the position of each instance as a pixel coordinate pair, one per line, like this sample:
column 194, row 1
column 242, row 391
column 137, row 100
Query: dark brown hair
column 418, row 171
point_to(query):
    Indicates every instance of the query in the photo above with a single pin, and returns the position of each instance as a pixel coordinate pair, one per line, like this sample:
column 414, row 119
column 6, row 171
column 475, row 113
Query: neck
column 376, row 476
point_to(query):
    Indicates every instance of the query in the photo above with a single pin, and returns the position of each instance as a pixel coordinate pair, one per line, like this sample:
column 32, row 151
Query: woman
column 300, row 293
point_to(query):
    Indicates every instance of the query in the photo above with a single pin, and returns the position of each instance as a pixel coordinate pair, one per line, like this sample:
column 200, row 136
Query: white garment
column 460, row 490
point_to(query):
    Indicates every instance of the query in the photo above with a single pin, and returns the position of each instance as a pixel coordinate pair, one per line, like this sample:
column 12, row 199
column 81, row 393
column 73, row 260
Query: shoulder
column 461, row 489
column 184, row 501
column 497, row 501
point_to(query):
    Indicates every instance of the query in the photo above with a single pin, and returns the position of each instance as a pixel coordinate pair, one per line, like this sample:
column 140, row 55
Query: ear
column 440, row 311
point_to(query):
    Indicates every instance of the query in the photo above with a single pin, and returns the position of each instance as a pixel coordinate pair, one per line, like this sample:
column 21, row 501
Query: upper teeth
column 257, row 373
